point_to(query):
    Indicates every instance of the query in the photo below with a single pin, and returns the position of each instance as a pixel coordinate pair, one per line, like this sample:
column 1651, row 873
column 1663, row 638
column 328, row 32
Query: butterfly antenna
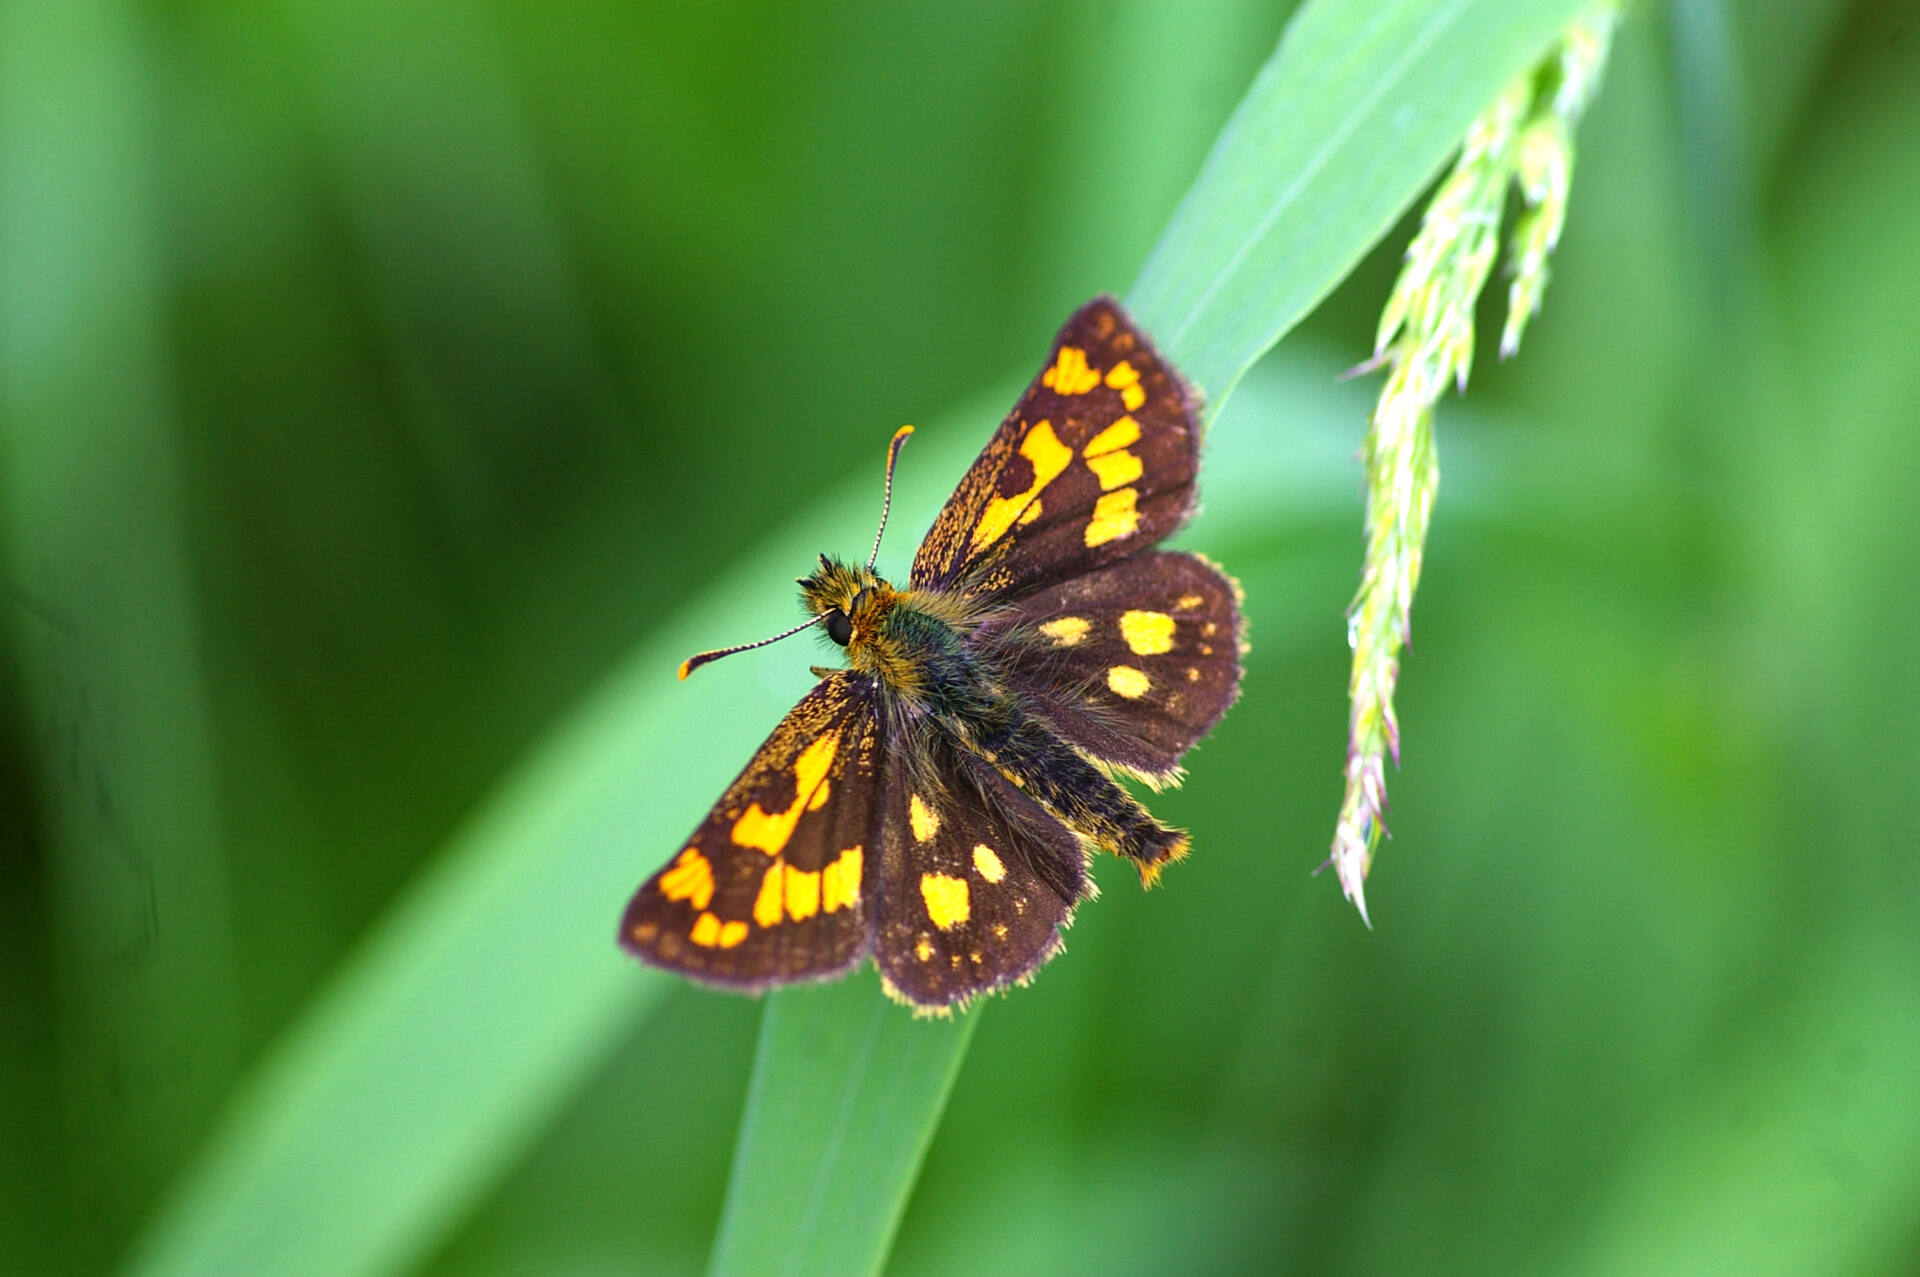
column 693, row 663
column 886, row 502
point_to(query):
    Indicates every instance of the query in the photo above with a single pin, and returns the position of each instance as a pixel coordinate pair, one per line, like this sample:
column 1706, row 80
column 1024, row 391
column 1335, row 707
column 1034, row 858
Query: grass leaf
column 1352, row 115
column 850, row 1087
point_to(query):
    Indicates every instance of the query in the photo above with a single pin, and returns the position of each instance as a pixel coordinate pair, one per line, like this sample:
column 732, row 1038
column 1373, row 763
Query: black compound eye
column 839, row 628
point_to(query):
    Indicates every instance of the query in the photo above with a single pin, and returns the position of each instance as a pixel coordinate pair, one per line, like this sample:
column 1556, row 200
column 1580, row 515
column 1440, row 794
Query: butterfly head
column 850, row 599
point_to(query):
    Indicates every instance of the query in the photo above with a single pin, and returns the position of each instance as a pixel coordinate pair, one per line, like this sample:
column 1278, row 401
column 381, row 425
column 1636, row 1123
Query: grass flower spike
column 1425, row 342
column 1545, row 163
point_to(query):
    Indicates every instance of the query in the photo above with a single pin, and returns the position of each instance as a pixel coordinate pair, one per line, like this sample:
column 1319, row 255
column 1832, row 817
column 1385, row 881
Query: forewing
column 976, row 879
column 772, row 886
column 1095, row 462
column 1133, row 663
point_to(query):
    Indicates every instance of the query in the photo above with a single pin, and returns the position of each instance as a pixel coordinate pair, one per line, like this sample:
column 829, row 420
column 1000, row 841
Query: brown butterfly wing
column 1132, row 663
column 776, row 884
column 1096, row 462
column 976, row 879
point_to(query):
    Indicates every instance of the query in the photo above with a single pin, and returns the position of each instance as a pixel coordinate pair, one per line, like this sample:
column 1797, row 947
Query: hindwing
column 976, row 879
column 1132, row 663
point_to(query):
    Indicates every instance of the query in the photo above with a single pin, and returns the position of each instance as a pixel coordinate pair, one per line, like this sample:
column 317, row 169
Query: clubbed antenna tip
column 886, row 499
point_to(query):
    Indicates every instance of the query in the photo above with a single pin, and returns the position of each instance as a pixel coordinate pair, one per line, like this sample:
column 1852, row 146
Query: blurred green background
column 376, row 379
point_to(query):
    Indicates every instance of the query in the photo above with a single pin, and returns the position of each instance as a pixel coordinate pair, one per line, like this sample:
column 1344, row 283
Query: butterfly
column 936, row 803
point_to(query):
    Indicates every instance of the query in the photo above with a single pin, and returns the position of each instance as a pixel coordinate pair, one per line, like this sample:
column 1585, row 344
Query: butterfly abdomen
column 1082, row 795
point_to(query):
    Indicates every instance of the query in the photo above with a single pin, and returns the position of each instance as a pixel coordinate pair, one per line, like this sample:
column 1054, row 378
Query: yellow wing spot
column 786, row 892
column 1188, row 602
column 770, row 831
column 1106, row 457
column 840, row 882
column 1115, row 469
column 988, row 863
column 1128, row 682
column 709, row 932
column 1193, row 675
column 948, row 903
column 1121, row 434
column 1050, row 458
column 690, row 879
column 803, row 894
column 1208, row 630
column 999, row 931
column 1066, row 630
column 923, row 819
column 1147, row 633
column 1031, row 513
column 1070, row 374
column 1114, row 516
column 924, row 949
column 772, row 900
column 1124, row 378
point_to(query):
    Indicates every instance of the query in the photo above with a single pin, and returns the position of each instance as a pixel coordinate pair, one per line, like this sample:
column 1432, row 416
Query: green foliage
column 393, row 394
column 846, row 1093
column 1341, row 128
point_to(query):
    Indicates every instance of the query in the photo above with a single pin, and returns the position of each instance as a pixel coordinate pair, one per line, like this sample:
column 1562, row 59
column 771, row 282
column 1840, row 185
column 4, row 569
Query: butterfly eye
column 839, row 628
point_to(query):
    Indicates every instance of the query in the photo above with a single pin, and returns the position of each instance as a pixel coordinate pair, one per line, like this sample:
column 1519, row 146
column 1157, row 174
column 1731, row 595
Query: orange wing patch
column 840, row 881
column 1049, row 458
column 949, row 901
column 1115, row 515
column 690, row 879
column 769, row 832
column 1108, row 458
column 1070, row 374
column 1124, row 378
column 711, row 933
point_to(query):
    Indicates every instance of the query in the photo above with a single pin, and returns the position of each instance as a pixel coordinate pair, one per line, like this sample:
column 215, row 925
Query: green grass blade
column 849, row 1087
column 1352, row 115
column 1342, row 127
